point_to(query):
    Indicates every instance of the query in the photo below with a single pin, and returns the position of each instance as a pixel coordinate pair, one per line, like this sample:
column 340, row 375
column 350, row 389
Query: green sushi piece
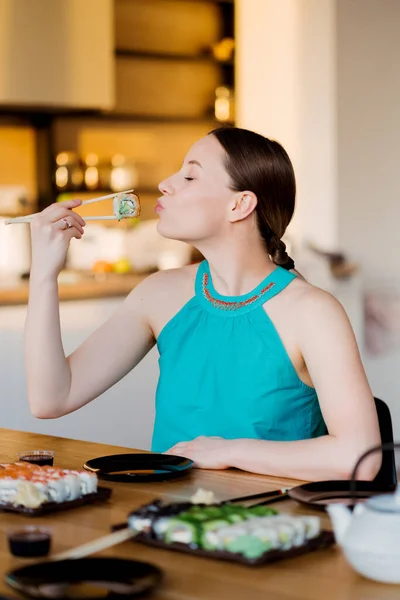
column 262, row 511
column 183, row 530
column 209, row 530
column 195, row 516
column 249, row 546
column 214, row 524
column 126, row 206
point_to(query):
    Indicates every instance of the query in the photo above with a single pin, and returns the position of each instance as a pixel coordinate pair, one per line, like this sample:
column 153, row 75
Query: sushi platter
column 35, row 490
column 249, row 535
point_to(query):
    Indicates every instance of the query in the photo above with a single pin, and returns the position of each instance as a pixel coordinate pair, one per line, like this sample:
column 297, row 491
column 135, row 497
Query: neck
column 237, row 265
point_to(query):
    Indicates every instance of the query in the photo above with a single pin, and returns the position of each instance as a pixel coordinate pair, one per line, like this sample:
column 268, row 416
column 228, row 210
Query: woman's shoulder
column 161, row 295
column 163, row 289
column 310, row 302
column 170, row 279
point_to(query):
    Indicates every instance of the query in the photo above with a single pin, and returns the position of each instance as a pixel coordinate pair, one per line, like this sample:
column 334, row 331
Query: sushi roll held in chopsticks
column 126, row 206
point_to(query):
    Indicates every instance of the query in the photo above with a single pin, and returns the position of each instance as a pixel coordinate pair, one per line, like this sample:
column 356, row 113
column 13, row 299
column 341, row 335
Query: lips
column 159, row 206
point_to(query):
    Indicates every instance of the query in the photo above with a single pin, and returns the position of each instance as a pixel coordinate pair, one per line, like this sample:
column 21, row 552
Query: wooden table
column 321, row 575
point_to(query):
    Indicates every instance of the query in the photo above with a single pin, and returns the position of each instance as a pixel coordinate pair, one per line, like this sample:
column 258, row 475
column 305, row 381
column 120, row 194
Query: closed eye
column 189, row 178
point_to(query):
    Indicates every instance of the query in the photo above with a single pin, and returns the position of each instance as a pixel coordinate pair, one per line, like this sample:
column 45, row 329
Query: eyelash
column 189, row 178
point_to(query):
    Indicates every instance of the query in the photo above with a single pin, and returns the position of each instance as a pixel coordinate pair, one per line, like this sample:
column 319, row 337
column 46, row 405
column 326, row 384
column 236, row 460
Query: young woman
column 258, row 369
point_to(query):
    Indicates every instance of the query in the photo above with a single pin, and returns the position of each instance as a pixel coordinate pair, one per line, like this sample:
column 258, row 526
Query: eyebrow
column 195, row 162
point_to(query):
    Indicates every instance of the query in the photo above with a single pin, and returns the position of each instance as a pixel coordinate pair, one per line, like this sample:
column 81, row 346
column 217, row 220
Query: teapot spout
column 341, row 518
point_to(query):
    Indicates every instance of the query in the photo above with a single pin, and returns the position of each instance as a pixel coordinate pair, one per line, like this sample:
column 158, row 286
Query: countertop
column 324, row 573
column 78, row 287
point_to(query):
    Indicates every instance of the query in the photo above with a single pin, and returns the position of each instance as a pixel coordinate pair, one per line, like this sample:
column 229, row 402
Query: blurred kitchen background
column 97, row 96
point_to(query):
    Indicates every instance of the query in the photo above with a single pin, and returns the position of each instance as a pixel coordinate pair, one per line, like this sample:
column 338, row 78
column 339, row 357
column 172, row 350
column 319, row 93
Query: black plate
column 319, row 494
column 139, row 467
column 102, row 495
column 96, row 578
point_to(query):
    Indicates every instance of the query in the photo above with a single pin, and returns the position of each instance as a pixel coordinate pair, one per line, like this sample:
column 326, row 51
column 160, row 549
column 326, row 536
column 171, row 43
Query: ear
column 242, row 206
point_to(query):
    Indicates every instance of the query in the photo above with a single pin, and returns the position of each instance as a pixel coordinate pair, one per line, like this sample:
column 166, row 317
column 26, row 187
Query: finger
column 69, row 203
column 73, row 233
column 56, row 212
column 178, row 446
column 69, row 222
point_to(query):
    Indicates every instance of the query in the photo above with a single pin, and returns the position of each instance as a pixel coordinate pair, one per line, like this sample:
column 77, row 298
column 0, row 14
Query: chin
column 172, row 233
column 164, row 231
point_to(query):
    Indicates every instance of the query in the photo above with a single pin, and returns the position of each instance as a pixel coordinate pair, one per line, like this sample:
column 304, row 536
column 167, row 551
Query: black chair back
column 387, row 473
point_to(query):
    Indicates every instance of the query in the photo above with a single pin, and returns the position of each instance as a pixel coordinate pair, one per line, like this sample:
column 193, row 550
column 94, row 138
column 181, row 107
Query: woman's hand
column 206, row 452
column 51, row 233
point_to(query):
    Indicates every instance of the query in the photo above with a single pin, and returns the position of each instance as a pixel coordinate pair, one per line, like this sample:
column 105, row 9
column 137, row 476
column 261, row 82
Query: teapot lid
column 385, row 502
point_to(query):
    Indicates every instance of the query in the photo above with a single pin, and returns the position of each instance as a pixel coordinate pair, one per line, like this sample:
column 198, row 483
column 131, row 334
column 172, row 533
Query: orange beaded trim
column 224, row 305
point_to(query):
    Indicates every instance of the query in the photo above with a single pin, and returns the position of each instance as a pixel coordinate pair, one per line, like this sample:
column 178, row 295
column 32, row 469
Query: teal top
column 225, row 372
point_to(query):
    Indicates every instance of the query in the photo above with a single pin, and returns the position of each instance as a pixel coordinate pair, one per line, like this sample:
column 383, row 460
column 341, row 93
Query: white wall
column 369, row 153
column 286, row 89
column 323, row 78
column 369, row 133
column 122, row 416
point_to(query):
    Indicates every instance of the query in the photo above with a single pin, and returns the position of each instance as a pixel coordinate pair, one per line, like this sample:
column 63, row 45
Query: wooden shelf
column 210, row 1
column 121, row 53
column 136, row 118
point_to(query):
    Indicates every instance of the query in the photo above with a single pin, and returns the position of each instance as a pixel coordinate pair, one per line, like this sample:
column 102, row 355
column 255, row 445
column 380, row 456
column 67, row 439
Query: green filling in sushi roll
column 248, row 545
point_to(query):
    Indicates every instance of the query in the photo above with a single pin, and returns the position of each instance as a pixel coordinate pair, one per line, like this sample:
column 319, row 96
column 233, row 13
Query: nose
column 165, row 187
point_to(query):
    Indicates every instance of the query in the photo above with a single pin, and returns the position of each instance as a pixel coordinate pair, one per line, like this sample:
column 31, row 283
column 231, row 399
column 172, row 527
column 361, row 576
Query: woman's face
column 196, row 200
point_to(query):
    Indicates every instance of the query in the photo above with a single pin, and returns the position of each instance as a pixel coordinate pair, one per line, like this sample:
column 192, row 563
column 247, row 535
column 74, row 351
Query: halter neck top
column 225, row 372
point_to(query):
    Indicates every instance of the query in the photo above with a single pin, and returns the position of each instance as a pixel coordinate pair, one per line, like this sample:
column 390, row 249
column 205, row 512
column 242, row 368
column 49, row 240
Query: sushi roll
column 182, row 530
column 56, row 489
column 160, row 527
column 262, row 511
column 299, row 528
column 88, row 481
column 140, row 522
column 248, row 545
column 234, row 514
column 312, row 525
column 73, row 484
column 8, row 487
column 223, row 537
column 286, row 534
column 209, row 530
column 40, row 484
column 267, row 534
column 126, row 206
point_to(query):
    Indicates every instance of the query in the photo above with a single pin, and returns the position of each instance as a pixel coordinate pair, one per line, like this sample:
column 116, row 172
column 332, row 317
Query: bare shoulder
column 167, row 280
column 311, row 304
column 162, row 294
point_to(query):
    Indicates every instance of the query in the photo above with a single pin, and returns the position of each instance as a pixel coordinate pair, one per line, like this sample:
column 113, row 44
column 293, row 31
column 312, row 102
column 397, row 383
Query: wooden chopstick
column 279, row 492
column 270, row 500
column 28, row 218
column 100, row 198
column 103, row 218
column 106, row 541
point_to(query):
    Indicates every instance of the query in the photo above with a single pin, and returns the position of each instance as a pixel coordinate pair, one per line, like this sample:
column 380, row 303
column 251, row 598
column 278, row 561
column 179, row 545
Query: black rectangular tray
column 324, row 540
column 102, row 495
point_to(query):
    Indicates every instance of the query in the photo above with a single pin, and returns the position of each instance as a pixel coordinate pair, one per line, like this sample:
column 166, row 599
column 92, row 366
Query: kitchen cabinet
column 57, row 54
column 123, row 415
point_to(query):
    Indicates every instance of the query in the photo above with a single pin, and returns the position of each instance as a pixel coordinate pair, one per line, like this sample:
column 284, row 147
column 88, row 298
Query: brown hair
column 260, row 165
